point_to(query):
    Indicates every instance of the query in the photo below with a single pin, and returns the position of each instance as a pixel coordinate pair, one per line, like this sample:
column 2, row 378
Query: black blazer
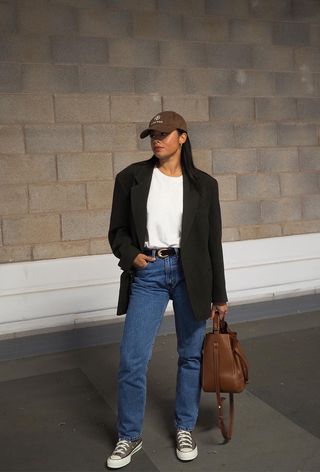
column 200, row 246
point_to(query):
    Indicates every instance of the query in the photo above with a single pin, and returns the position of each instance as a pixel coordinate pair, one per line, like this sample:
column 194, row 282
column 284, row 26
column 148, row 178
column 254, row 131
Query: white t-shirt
column 164, row 210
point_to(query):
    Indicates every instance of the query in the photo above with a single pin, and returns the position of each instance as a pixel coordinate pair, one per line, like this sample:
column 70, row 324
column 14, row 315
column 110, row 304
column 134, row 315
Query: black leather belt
column 162, row 252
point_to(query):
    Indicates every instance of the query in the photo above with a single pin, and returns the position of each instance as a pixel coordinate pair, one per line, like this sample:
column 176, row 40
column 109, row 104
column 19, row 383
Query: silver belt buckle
column 160, row 253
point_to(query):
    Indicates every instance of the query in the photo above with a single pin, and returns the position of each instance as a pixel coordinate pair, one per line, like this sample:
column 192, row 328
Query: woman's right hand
column 142, row 260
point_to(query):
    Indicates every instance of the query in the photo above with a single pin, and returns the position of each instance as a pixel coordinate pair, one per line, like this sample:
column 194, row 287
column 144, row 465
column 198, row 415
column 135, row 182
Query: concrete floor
column 58, row 411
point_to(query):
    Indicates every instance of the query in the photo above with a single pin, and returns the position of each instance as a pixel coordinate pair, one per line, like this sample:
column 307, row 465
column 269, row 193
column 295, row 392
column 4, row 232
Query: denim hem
column 181, row 428
column 126, row 438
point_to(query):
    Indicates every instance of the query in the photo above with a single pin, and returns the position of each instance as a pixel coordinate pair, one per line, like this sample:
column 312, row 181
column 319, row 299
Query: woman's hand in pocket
column 142, row 260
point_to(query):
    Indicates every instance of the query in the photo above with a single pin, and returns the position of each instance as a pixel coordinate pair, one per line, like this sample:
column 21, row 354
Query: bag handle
column 226, row 432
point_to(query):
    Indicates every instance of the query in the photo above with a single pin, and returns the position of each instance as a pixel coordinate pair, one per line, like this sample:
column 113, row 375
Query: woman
column 165, row 228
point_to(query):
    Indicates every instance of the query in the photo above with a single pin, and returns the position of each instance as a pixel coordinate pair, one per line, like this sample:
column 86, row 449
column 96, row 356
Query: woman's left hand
column 222, row 309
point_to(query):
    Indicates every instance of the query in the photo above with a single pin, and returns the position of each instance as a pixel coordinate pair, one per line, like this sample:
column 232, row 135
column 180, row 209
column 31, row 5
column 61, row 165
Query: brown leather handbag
column 224, row 368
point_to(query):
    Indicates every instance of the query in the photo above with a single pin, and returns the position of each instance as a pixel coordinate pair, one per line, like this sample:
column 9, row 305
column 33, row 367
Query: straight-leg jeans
column 151, row 289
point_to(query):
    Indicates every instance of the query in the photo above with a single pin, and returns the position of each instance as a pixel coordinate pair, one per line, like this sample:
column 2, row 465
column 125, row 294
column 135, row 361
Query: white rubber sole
column 187, row 456
column 118, row 463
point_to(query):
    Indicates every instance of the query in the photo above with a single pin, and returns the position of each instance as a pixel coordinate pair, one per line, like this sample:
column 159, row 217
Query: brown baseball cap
column 166, row 121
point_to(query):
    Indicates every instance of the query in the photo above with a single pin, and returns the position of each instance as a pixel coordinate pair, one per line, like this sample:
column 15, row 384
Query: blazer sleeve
column 119, row 235
column 219, row 294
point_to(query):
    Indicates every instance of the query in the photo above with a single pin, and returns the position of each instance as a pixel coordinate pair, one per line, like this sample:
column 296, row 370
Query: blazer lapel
column 139, row 197
column 190, row 205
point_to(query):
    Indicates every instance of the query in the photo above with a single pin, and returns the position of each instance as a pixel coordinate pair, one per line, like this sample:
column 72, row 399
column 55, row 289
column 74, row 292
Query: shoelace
column 184, row 439
column 121, row 447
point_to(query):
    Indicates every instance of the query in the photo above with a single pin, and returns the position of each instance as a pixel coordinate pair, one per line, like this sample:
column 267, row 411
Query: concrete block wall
column 79, row 79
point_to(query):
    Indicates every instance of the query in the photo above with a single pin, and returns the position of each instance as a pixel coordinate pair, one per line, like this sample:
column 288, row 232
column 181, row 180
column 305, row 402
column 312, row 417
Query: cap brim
column 145, row 133
column 165, row 129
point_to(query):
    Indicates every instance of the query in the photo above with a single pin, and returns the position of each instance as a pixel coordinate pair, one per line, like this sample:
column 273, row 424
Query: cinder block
column 240, row 213
column 105, row 23
column 299, row 134
column 276, row 108
column 307, row 58
column 99, row 194
column 315, row 35
column 10, row 77
column 60, row 249
column 57, row 197
column 255, row 134
column 132, row 108
column 251, row 83
column 272, row 58
column 209, row 135
column 50, row 78
column 234, row 161
column 192, row 108
column 84, row 167
column 99, row 246
column 237, row 8
column 227, row 187
column 110, row 137
column 278, row 160
column 281, row 209
column 31, row 229
column 160, row 81
column 183, row 54
column 259, row 231
column 7, row 18
column 101, row 79
column 273, row 9
column 303, row 9
column 309, row 109
column 15, row 254
column 190, row 7
column 123, row 159
column 18, row 108
column 16, row 169
column 204, row 28
column 250, row 31
column 147, row 25
column 230, row 234
column 84, row 225
column 82, row 108
column 82, row 3
column 53, row 138
column 311, row 207
column 79, row 50
column 25, row 48
column 300, row 227
column 46, row 19
column 207, row 81
column 299, row 183
column 289, row 33
column 11, row 139
column 148, row 5
column 230, row 56
column 133, row 52
column 203, row 160
column 257, row 186
column 13, row 199
column 294, row 83
column 309, row 158
column 231, row 108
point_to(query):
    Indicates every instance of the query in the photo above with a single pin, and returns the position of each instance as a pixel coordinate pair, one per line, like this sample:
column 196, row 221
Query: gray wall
column 79, row 79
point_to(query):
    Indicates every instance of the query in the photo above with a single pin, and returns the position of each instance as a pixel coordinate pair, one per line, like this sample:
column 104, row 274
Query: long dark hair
column 187, row 162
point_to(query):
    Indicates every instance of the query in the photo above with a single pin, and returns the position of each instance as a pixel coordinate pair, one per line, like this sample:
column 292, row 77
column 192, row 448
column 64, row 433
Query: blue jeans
column 151, row 289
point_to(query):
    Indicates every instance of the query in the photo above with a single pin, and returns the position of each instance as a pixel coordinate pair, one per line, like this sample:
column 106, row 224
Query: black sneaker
column 186, row 447
column 123, row 452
